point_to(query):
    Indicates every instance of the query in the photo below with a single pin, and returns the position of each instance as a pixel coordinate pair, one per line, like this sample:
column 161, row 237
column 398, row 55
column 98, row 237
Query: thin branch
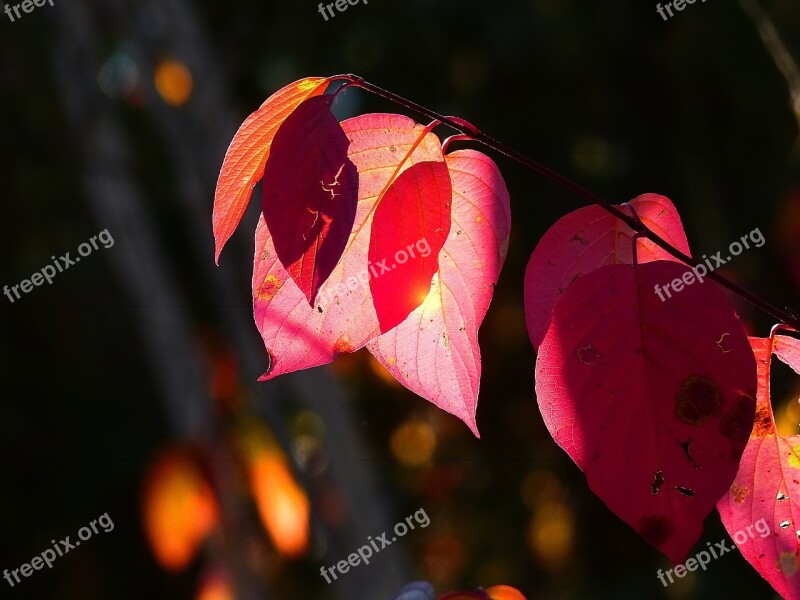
column 639, row 227
column 778, row 51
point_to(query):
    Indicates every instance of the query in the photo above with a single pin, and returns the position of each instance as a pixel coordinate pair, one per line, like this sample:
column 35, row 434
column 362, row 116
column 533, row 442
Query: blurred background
column 129, row 384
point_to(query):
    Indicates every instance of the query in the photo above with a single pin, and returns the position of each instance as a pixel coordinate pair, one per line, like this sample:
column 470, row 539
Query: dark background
column 147, row 346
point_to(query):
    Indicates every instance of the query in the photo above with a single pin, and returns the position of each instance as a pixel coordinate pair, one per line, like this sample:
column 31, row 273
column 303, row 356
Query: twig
column 568, row 184
column 779, row 52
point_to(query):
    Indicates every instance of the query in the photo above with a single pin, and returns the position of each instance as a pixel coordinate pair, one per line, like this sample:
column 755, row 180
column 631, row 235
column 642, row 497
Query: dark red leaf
column 310, row 191
column 247, row 155
column 654, row 401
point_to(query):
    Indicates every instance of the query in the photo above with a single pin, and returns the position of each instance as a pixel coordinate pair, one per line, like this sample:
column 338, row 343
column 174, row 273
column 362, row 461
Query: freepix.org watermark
column 377, row 269
column 341, row 6
column 27, row 7
column 49, row 556
column 676, row 4
column 62, row 264
column 366, row 551
column 702, row 558
column 698, row 272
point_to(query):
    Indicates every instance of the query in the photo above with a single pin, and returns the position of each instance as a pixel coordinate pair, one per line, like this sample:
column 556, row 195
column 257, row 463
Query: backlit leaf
column 761, row 511
column 434, row 352
column 654, row 401
column 587, row 239
column 296, row 335
column 248, row 152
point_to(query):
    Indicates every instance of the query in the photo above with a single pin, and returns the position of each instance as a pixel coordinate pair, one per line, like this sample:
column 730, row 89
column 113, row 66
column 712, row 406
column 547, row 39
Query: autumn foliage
column 374, row 234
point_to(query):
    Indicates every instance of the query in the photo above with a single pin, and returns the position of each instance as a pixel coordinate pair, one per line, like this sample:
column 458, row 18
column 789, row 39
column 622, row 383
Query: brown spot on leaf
column 269, row 288
column 737, row 423
column 789, row 563
column 698, row 400
column 763, row 422
column 739, row 493
column 342, row 346
column 656, row 530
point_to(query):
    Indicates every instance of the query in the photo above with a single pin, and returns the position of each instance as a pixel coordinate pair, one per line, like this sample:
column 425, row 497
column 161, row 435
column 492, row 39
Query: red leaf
column 409, row 228
column 761, row 511
column 296, row 335
column 653, row 402
column 587, row 239
column 310, row 190
column 434, row 352
column 246, row 156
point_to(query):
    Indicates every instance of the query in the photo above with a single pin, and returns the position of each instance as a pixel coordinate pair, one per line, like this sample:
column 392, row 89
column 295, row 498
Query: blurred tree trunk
column 194, row 139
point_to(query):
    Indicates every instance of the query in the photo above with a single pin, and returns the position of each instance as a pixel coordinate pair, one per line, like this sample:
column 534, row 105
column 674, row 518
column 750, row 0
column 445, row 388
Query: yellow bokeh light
column 550, row 535
column 414, row 442
column 173, row 82
column 787, row 420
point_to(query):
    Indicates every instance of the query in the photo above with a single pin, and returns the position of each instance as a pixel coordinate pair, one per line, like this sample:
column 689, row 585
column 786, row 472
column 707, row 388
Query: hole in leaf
column 658, row 481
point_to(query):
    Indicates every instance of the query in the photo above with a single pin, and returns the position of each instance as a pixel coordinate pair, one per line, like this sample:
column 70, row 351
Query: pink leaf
column 585, row 240
column 435, row 352
column 310, row 190
column 296, row 335
column 653, row 402
column 761, row 511
column 245, row 159
column 409, row 228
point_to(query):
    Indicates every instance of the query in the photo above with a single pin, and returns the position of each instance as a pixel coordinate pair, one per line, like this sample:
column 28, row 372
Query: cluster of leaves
column 371, row 236
column 654, row 400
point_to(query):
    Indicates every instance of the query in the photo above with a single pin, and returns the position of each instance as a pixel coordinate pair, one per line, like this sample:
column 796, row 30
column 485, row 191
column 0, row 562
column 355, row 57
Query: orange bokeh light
column 504, row 592
column 179, row 509
column 216, row 586
column 282, row 503
column 173, row 82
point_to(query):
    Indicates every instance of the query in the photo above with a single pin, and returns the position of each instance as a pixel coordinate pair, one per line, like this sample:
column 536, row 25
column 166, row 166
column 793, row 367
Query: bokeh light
column 173, row 82
column 179, row 509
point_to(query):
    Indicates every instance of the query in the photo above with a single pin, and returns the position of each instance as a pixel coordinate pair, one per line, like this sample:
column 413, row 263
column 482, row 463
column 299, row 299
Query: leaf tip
column 473, row 426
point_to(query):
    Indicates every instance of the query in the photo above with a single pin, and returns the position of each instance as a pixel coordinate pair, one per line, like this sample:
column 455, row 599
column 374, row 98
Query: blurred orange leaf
column 504, row 592
column 179, row 508
column 282, row 504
